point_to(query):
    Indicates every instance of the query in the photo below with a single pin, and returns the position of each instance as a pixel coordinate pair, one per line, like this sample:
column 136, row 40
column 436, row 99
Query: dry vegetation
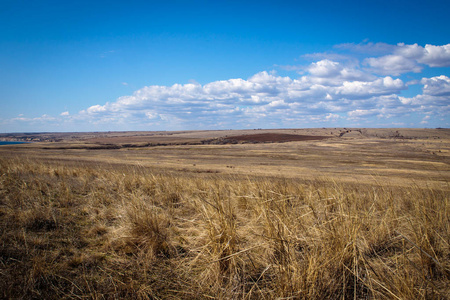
column 114, row 224
column 100, row 232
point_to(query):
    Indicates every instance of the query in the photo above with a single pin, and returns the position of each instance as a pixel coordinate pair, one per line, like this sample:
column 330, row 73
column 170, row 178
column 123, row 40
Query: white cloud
column 436, row 56
column 434, row 100
column 410, row 58
column 335, row 88
column 436, row 86
column 413, row 51
column 96, row 109
column 327, row 72
column 425, row 120
column 43, row 118
column 362, row 90
column 325, row 68
column 358, row 113
column 262, row 96
column 332, row 117
column 392, row 65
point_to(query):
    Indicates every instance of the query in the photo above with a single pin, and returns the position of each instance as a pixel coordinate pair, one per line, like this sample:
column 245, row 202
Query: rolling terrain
column 249, row 214
column 397, row 156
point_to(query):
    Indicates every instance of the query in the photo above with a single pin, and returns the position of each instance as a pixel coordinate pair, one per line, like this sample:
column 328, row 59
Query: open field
column 252, row 214
column 394, row 156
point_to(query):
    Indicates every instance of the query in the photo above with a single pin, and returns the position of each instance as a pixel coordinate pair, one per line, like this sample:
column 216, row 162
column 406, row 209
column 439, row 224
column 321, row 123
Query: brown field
column 274, row 138
column 395, row 156
column 329, row 213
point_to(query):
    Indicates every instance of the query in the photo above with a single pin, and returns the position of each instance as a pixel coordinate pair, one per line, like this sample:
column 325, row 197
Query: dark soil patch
column 274, row 138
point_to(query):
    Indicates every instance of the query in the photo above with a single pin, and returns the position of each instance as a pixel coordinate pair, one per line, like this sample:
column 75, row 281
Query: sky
column 194, row 65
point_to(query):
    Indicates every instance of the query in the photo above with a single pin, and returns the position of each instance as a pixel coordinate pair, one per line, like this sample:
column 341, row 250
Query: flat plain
column 335, row 213
column 395, row 156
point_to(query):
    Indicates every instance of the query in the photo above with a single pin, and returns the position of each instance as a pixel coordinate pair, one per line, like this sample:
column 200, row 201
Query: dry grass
column 394, row 156
column 96, row 231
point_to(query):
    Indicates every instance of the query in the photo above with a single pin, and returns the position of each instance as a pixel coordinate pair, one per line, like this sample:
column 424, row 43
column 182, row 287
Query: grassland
column 362, row 214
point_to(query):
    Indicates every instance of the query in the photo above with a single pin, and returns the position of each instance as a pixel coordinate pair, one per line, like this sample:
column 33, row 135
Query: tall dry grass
column 92, row 231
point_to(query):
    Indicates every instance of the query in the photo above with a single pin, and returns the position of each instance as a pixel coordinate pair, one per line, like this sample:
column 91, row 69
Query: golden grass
column 97, row 231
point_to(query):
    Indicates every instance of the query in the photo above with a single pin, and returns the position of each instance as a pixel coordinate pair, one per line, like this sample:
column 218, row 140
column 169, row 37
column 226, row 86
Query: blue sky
column 171, row 65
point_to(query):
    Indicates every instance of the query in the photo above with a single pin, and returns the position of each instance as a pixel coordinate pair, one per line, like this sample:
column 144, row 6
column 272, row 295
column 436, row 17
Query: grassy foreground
column 87, row 231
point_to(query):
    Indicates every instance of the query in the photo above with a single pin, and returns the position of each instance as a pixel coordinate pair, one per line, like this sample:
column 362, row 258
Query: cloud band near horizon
column 340, row 88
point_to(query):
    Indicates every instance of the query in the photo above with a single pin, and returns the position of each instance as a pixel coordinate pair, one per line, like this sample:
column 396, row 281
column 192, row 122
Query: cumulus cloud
column 436, row 86
column 393, row 65
column 332, row 88
column 96, row 109
column 434, row 100
column 325, row 68
column 262, row 96
column 436, row 56
column 358, row 113
column 330, row 72
column 410, row 58
column 378, row 87
column 329, row 90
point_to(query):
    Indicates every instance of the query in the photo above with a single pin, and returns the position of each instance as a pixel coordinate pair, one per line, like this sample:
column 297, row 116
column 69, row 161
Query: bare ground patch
column 274, row 138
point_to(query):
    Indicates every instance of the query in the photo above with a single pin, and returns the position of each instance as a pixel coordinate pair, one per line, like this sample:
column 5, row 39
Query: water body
column 11, row 143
